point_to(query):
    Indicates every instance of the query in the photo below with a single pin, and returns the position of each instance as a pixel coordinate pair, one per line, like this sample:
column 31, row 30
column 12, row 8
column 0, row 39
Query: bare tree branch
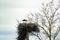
column 17, row 21
column 37, row 36
column 56, row 33
column 44, row 30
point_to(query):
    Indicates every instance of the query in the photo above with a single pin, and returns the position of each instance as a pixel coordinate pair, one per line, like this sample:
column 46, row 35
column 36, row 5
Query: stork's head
column 24, row 20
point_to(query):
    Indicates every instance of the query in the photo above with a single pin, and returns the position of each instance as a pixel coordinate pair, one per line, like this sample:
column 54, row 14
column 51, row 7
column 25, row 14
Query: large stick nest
column 29, row 27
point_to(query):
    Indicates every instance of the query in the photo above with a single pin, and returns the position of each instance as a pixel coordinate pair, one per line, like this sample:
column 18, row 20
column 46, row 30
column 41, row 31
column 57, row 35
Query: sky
column 10, row 10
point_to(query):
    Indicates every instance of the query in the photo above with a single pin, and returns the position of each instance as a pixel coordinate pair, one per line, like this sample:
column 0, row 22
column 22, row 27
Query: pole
column 27, row 37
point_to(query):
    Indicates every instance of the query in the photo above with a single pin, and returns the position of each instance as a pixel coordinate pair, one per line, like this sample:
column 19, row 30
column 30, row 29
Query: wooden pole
column 27, row 37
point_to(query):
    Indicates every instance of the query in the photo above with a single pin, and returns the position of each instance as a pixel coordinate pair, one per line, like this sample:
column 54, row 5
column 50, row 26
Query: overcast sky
column 10, row 10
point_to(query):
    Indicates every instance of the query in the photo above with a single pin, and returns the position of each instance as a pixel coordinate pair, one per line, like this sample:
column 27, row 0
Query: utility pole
column 27, row 36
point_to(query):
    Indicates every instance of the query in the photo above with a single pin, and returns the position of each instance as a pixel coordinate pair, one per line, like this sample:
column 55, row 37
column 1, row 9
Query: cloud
column 19, row 4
